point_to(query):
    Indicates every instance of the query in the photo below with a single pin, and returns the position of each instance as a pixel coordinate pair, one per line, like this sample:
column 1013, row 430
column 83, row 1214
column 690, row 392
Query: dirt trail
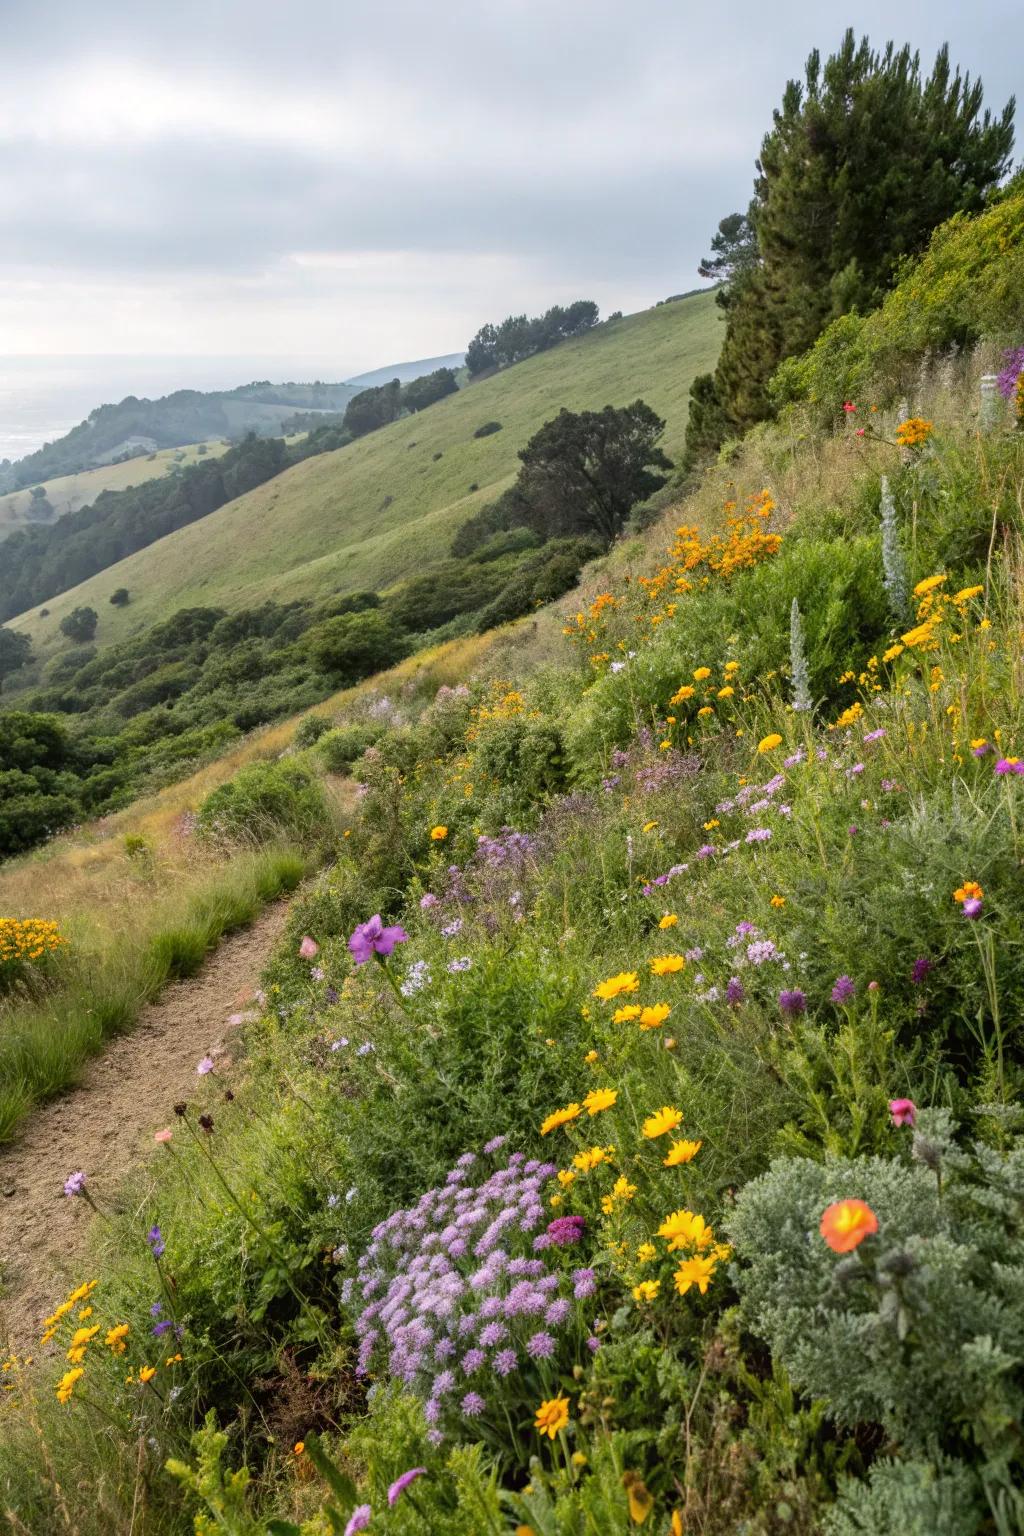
column 106, row 1125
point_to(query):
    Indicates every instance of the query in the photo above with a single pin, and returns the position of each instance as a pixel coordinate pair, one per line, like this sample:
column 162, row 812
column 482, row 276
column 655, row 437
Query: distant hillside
column 374, row 512
column 134, row 428
column 69, row 493
column 407, row 371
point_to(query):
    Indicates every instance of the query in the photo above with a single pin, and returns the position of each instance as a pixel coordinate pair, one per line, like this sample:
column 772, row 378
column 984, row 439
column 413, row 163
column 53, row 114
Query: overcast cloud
column 371, row 181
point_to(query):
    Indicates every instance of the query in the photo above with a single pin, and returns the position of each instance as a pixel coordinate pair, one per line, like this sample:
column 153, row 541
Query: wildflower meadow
column 628, row 1131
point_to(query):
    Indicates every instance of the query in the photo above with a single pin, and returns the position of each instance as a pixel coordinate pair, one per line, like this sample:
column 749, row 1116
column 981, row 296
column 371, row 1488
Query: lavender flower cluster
column 453, row 1297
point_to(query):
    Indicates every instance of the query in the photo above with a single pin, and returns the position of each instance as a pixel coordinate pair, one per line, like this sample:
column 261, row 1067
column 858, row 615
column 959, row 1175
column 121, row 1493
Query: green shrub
column 265, row 801
column 908, row 1498
column 310, row 729
column 339, row 748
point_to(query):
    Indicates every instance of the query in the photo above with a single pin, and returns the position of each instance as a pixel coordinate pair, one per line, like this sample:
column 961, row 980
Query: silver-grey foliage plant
column 798, row 660
column 894, row 563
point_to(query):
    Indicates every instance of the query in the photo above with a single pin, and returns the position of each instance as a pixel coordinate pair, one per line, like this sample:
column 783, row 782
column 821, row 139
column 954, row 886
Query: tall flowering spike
column 894, row 562
column 798, row 660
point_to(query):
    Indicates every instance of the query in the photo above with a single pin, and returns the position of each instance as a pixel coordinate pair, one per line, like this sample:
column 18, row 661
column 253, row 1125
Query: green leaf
column 342, row 1486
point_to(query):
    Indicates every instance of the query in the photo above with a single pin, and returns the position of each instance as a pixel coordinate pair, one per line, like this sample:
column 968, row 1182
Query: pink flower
column 308, row 948
column 972, row 907
column 163, row 1137
column 205, row 1066
column 860, row 432
column 400, row 1484
column 903, row 1111
column 849, row 407
column 372, row 937
column 360, row 1519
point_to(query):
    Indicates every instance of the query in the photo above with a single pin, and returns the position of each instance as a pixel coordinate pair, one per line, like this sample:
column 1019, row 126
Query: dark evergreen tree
column 865, row 158
column 15, row 650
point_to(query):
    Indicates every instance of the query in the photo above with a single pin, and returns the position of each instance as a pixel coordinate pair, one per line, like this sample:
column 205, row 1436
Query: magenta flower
column 922, row 965
column 372, row 937
column 843, row 990
column 308, row 948
column 400, row 1484
column 972, row 907
column 566, row 1230
column 1010, row 765
column 793, row 1001
column 74, row 1184
column 903, row 1112
column 360, row 1519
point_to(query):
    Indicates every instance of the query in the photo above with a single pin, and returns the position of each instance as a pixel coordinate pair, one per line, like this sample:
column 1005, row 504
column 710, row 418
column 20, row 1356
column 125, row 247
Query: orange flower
column 846, row 1223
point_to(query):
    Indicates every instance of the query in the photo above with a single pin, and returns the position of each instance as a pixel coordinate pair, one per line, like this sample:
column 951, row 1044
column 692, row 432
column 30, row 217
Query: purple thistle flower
column 734, row 993
column 584, row 1283
column 540, row 1346
column 506, row 1361
column 156, row 1242
column 875, row 735
column 759, row 835
column 428, row 901
column 844, row 989
column 473, row 1360
column 558, row 1312
column 205, row 1066
column 472, row 1405
column 74, row 1184
column 400, row 1484
column 793, row 1001
column 1004, row 766
column 491, row 1334
column 972, row 907
column 444, row 1382
column 922, row 965
column 593, row 1344
column 372, row 937
column 360, row 1519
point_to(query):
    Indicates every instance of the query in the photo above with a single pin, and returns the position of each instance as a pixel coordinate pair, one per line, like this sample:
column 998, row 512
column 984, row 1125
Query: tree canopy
column 865, row 157
column 517, row 337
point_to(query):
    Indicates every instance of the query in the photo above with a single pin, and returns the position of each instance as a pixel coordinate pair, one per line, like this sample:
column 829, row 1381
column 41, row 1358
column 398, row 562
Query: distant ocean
column 41, row 398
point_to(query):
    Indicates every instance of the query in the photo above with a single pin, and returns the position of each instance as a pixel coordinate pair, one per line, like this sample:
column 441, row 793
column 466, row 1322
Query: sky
column 359, row 183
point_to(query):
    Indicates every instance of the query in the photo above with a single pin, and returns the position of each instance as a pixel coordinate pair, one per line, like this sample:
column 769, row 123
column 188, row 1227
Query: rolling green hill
column 67, row 493
column 372, row 513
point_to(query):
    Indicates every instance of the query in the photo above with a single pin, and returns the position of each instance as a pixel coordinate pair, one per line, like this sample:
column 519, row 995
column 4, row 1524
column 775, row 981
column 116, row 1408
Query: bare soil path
column 105, row 1126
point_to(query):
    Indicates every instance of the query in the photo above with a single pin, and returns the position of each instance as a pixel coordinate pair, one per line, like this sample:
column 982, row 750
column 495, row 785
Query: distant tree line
column 866, row 156
column 517, row 337
column 381, row 404
column 46, row 558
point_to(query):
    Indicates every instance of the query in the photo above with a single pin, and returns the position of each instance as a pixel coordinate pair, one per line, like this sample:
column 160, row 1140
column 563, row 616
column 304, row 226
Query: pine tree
column 865, row 157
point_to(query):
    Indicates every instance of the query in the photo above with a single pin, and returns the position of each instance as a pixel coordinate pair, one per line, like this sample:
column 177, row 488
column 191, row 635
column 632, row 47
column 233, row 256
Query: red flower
column 846, row 1223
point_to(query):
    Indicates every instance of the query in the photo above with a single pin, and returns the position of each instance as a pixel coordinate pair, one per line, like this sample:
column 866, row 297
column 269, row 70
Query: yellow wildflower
column 627, row 1014
column 592, row 1158
column 654, row 1016
column 686, row 1229
column 598, row 1099
column 561, row 1117
column 649, row 826
column 778, row 901
column 552, row 1416
column 666, row 1119
column 695, row 1271
column 681, row 1152
column 147, row 1372
column 566, row 1176
column 647, row 1290
column 667, row 965
column 701, row 674
column 625, row 981
column 770, row 742
column 438, row 834
column 668, row 921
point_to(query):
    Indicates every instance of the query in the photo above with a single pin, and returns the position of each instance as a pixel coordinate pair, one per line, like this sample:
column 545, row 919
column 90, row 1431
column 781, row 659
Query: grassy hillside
column 372, row 512
column 66, row 493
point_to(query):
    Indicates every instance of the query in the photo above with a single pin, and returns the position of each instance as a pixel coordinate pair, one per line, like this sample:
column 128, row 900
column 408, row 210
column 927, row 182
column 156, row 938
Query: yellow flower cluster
column 27, row 939
column 914, row 432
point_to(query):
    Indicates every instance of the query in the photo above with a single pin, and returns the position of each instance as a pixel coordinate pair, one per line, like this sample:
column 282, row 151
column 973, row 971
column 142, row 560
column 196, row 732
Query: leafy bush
column 265, row 801
column 340, row 747
column 310, row 729
column 488, row 429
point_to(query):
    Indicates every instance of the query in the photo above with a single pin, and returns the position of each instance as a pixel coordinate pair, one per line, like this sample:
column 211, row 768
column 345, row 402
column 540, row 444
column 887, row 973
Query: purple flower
column 450, row 930
column 972, row 907
column 558, row 1312
column 462, row 964
column 734, row 993
column 982, row 750
column 1008, row 765
column 506, row 1361
column 844, row 989
column 704, row 852
column 372, row 937
column 428, row 901
column 583, row 1283
column 205, row 1066
column 759, row 835
column 540, row 1346
column 593, row 1344
column 922, row 965
column 491, row 1334
column 74, row 1184
column 762, row 950
column 473, row 1359
column 472, row 1405
column 163, row 1326
column 566, row 1230
column 400, row 1484
column 495, row 1144
column 156, row 1242
column 793, row 1001
column 360, row 1519
column 875, row 735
